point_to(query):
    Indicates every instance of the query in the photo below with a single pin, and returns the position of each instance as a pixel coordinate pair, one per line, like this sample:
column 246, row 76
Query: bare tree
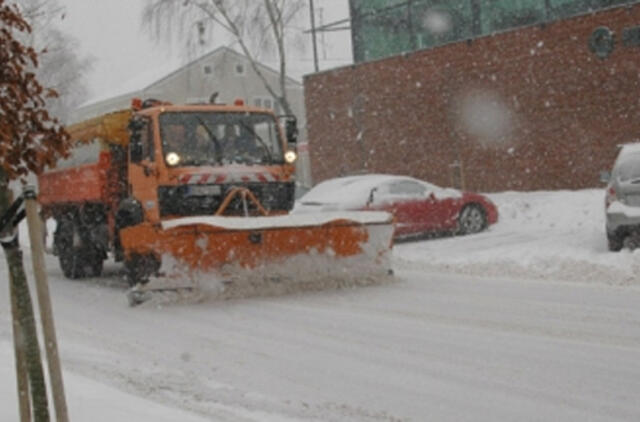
column 60, row 67
column 257, row 26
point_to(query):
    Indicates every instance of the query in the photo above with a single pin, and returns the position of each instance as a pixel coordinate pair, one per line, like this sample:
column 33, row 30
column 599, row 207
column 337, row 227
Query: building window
column 501, row 15
column 264, row 102
column 383, row 28
column 207, row 69
column 197, row 100
column 240, row 69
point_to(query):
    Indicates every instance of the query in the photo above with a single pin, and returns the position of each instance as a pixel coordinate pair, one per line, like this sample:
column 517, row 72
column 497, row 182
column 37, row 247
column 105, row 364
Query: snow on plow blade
column 247, row 256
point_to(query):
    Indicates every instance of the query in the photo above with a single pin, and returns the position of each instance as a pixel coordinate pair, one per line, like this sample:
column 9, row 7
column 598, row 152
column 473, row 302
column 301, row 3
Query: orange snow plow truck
column 200, row 188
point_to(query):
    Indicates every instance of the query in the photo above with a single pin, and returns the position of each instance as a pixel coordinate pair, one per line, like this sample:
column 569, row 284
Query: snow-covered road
column 533, row 320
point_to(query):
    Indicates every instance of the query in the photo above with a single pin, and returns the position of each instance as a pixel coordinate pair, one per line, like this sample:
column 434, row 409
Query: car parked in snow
column 622, row 199
column 419, row 207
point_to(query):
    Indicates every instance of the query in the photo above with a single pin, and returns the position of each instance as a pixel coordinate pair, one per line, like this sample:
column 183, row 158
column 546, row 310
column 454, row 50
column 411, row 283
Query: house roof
column 146, row 79
column 219, row 51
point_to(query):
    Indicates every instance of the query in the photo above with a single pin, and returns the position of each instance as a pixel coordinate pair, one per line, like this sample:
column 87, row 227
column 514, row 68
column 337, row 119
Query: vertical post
column 44, row 302
column 356, row 36
column 313, row 35
column 476, row 18
column 547, row 11
column 322, row 40
column 413, row 42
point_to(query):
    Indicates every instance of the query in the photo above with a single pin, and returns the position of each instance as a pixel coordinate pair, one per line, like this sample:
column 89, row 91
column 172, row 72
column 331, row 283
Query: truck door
column 143, row 172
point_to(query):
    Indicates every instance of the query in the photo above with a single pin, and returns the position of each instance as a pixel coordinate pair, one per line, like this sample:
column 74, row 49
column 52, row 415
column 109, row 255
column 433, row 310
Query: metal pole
column 44, row 302
column 313, row 36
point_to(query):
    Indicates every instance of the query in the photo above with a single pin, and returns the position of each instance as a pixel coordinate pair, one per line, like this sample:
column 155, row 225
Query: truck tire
column 615, row 242
column 138, row 268
column 77, row 260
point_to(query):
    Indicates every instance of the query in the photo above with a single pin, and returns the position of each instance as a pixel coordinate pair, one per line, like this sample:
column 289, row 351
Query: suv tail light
column 610, row 196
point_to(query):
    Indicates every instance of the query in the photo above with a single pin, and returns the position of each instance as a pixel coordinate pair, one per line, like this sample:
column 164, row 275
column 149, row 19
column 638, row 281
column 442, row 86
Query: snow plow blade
column 241, row 256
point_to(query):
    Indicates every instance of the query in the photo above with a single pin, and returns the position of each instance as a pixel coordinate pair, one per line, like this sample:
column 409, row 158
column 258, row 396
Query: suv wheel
column 615, row 242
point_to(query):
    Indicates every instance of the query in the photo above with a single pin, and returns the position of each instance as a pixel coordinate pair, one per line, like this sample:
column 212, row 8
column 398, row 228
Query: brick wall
column 527, row 109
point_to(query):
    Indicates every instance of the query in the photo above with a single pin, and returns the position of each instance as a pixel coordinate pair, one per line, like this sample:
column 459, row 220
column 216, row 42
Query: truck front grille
column 182, row 201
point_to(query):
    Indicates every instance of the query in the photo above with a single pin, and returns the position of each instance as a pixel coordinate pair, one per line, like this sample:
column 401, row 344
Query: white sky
column 111, row 33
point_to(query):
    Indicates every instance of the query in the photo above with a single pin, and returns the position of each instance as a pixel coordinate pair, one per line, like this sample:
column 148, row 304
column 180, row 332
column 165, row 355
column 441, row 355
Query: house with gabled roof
column 223, row 70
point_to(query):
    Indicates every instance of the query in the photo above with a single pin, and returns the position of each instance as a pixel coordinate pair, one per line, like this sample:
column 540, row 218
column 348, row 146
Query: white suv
column 622, row 199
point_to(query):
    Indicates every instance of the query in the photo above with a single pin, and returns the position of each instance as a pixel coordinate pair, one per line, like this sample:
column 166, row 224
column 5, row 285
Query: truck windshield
column 218, row 138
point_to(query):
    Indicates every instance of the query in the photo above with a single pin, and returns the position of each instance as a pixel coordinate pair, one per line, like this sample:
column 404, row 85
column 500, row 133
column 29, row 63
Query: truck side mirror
column 292, row 131
column 605, row 177
column 291, row 128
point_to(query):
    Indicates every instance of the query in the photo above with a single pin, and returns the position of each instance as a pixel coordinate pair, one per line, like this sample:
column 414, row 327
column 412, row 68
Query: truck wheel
column 71, row 265
column 70, row 261
column 615, row 242
column 138, row 268
column 96, row 266
column 77, row 260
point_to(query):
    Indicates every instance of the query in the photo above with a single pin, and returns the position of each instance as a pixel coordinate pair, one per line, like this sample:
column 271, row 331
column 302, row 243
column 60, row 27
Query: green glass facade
column 382, row 28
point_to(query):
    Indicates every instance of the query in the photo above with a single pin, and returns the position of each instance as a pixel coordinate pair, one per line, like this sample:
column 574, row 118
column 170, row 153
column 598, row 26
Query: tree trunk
column 25, row 315
column 27, row 323
column 21, row 359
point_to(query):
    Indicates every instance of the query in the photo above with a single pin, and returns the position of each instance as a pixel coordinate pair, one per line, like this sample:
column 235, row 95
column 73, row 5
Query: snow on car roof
column 630, row 151
column 352, row 190
column 630, row 148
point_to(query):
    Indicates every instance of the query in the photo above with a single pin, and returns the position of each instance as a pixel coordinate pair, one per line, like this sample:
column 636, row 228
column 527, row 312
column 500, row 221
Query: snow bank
column 545, row 235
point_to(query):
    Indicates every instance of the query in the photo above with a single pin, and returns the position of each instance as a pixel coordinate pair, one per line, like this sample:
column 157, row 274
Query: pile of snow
column 543, row 235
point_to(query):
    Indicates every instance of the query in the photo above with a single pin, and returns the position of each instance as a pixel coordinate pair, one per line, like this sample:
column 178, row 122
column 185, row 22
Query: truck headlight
column 172, row 159
column 290, row 156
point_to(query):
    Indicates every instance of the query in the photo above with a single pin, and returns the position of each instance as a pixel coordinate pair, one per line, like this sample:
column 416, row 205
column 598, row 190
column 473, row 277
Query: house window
column 264, row 102
column 239, row 69
column 207, row 69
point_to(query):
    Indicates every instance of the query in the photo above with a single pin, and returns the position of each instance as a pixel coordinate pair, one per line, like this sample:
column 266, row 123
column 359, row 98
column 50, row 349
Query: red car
column 419, row 207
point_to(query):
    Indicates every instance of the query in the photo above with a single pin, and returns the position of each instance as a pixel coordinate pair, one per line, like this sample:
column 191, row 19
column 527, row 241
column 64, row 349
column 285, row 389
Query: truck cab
column 183, row 160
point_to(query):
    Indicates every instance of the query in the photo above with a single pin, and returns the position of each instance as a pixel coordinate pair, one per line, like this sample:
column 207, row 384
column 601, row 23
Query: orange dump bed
column 86, row 182
column 80, row 184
